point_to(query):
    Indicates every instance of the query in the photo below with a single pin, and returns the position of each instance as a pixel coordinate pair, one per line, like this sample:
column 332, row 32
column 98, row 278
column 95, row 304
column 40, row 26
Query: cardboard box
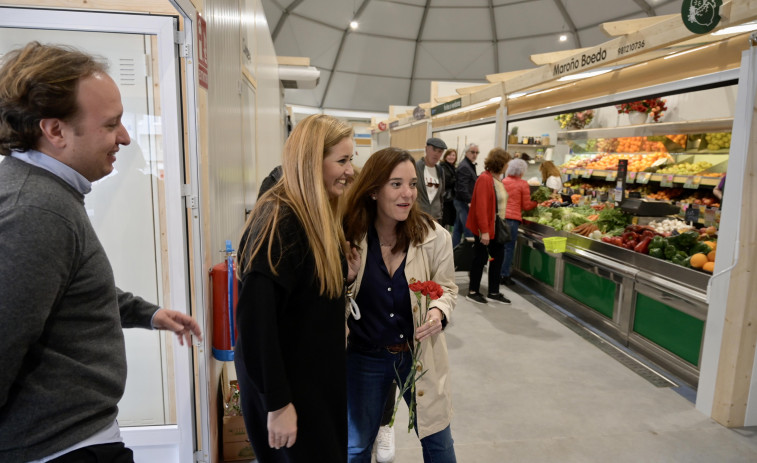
column 233, row 429
column 233, row 451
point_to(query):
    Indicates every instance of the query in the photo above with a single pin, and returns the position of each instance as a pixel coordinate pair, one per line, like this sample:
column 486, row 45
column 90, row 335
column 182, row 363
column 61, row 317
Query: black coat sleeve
column 465, row 180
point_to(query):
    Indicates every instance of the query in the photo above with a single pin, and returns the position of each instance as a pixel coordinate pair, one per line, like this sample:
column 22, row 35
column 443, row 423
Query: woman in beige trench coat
column 397, row 242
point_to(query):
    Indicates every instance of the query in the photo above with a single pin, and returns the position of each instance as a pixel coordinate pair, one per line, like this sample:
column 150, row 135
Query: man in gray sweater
column 63, row 362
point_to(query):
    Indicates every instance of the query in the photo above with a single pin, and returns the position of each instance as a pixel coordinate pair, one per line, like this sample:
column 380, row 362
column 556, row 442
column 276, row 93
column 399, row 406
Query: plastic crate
column 555, row 244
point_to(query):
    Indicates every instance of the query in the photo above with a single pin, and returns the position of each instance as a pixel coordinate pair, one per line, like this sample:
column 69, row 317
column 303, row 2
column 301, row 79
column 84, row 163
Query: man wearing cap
column 431, row 178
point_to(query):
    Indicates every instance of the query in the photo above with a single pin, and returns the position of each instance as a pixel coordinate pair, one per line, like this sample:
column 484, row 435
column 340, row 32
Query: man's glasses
column 474, row 152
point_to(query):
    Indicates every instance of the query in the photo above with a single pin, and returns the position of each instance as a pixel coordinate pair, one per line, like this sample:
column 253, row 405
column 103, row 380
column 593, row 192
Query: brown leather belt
column 397, row 348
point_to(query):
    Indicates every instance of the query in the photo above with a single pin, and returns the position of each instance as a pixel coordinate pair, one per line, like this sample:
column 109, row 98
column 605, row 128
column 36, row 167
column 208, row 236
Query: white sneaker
column 385, row 447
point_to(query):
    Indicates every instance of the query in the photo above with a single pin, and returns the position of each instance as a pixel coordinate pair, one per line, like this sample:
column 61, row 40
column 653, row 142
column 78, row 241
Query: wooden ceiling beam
column 629, row 26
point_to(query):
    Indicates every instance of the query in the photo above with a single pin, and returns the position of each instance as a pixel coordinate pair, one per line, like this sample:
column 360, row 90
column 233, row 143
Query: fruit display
column 710, row 141
column 716, row 141
column 685, row 168
column 636, row 162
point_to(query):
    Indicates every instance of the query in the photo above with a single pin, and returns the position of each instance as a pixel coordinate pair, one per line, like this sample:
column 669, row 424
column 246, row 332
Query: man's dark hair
column 39, row 82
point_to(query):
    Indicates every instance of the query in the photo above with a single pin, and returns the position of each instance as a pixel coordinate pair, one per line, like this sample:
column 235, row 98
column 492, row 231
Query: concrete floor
column 527, row 388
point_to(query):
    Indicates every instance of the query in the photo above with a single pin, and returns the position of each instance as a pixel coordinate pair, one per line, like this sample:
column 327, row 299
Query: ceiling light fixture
column 563, row 38
column 354, row 25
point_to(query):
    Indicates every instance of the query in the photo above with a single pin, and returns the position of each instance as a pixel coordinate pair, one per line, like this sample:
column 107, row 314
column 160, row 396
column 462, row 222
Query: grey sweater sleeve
column 135, row 311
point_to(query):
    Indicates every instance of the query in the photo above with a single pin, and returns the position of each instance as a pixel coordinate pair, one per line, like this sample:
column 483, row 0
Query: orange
column 711, row 256
column 712, row 244
column 709, row 266
column 698, row 260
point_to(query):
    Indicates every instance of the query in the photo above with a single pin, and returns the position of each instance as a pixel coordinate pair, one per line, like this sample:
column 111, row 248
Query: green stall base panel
column 538, row 264
column 669, row 328
column 590, row 289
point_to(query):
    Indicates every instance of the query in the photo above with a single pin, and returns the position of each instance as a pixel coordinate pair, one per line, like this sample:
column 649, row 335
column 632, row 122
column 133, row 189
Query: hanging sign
column 419, row 113
column 448, row 106
column 394, row 124
column 382, row 126
column 202, row 52
column 701, row 16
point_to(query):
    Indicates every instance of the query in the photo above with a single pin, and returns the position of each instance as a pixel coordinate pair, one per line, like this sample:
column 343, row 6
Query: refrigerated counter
column 652, row 306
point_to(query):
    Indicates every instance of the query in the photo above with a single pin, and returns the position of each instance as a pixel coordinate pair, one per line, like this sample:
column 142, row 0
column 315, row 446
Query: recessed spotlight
column 353, row 25
column 563, row 38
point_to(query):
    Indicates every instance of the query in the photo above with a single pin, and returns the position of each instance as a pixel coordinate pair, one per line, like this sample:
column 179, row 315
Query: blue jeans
column 507, row 263
column 461, row 216
column 369, row 376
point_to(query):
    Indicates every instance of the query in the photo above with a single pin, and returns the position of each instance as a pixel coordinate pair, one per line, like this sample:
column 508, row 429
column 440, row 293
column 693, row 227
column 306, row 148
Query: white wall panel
column 270, row 113
column 224, row 125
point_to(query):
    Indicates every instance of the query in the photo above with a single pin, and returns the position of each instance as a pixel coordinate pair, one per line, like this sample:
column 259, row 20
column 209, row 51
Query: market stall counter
column 651, row 305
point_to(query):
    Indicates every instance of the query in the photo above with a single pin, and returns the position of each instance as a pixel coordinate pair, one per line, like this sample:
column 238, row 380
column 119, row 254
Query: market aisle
column 526, row 388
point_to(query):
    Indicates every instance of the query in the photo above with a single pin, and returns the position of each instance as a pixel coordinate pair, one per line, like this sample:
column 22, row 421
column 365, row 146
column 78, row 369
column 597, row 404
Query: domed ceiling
column 400, row 46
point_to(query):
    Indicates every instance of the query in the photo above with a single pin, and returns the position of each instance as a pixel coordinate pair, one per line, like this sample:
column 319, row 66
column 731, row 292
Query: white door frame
column 178, row 439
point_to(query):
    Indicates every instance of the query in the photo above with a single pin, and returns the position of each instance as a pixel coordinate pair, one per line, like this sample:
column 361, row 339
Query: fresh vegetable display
column 541, row 194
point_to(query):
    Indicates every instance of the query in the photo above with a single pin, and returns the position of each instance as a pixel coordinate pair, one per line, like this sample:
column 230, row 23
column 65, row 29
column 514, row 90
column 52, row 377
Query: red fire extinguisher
column 224, row 287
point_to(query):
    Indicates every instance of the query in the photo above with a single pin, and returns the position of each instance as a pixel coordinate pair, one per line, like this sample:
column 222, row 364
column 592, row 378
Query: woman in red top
column 518, row 199
column 485, row 204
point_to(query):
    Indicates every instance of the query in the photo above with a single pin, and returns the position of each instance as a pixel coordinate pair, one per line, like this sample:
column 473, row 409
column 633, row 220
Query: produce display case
column 652, row 305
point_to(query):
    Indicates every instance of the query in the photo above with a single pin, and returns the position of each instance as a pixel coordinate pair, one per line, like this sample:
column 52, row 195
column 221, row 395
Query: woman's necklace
column 386, row 245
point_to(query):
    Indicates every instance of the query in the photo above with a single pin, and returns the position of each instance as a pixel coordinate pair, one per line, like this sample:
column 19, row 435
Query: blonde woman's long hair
column 301, row 188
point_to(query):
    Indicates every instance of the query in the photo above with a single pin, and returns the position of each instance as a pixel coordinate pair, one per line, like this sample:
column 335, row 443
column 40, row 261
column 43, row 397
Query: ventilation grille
column 127, row 71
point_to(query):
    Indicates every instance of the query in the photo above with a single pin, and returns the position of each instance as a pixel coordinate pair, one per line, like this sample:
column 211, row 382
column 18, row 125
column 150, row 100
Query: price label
column 643, row 177
column 631, row 177
column 611, row 176
column 587, row 173
column 692, row 181
column 667, row 180
column 710, row 217
column 692, row 213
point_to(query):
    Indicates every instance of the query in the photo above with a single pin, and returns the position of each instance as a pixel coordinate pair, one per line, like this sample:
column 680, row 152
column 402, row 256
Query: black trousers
column 103, row 453
column 481, row 255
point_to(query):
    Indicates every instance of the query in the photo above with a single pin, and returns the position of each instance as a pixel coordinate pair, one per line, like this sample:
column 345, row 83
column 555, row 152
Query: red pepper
column 607, row 239
column 643, row 246
column 631, row 244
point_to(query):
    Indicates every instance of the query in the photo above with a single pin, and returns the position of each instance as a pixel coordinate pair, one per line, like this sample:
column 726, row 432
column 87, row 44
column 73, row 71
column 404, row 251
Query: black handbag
column 463, row 255
column 501, row 229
